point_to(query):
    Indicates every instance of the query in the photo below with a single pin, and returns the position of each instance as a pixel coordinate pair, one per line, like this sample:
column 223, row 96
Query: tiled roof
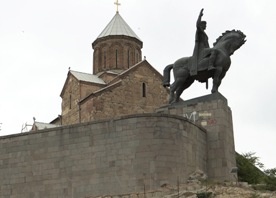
column 117, row 26
column 87, row 77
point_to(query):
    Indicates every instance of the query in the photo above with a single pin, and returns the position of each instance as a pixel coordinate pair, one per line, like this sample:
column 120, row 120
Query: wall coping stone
column 104, row 120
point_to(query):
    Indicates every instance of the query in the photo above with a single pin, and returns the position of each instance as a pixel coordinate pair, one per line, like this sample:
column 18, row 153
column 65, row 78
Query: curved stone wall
column 108, row 157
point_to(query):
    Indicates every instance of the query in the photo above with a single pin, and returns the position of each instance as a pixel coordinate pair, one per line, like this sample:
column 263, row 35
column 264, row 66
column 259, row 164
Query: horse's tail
column 166, row 75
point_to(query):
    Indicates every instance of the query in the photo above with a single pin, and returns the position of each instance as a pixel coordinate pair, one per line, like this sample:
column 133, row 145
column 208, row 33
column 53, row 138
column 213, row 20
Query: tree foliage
column 250, row 156
column 251, row 170
column 247, row 171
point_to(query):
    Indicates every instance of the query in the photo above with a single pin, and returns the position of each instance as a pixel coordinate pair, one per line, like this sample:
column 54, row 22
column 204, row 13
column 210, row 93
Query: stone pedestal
column 212, row 113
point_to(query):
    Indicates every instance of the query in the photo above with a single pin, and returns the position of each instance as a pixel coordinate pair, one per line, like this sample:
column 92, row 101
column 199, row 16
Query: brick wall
column 105, row 157
column 70, row 98
column 116, row 52
column 74, row 91
column 213, row 113
column 139, row 91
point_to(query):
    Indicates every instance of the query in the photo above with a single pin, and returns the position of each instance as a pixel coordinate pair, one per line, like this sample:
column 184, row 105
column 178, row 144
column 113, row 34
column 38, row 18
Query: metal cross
column 117, row 5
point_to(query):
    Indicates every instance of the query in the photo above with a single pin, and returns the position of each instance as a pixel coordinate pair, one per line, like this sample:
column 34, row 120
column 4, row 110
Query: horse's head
column 231, row 40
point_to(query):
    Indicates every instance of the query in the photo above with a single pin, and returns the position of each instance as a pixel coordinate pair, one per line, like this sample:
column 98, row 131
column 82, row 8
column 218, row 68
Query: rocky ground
column 200, row 190
column 197, row 186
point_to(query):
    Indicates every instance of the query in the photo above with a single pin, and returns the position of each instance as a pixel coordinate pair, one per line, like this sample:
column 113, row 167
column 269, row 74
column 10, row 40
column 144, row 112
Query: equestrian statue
column 205, row 62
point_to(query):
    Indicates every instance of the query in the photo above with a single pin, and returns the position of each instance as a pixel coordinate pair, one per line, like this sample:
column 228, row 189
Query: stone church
column 122, row 82
column 118, row 136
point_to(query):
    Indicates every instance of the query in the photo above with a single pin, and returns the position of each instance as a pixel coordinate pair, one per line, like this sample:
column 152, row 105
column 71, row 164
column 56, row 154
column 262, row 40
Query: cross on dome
column 117, row 5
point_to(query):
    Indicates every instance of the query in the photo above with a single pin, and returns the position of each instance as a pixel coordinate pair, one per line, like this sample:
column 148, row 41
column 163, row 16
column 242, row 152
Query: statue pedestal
column 213, row 114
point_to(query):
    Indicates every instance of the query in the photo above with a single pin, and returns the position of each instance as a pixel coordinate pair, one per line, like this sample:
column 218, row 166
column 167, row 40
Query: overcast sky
column 40, row 40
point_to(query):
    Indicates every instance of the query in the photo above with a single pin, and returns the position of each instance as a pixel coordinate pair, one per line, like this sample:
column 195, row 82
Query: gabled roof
column 41, row 125
column 118, row 26
column 112, row 72
column 117, row 80
column 84, row 77
column 135, row 67
column 87, row 77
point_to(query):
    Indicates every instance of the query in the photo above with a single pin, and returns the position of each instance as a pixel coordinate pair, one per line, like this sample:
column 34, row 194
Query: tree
column 270, row 172
column 251, row 170
column 250, row 156
column 247, row 171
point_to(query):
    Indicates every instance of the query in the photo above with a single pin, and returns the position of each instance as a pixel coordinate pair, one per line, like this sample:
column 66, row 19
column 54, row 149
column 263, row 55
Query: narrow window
column 104, row 59
column 144, row 89
column 128, row 58
column 116, row 58
column 70, row 101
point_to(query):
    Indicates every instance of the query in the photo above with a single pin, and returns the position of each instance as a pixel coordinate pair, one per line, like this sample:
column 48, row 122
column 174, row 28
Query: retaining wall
column 117, row 156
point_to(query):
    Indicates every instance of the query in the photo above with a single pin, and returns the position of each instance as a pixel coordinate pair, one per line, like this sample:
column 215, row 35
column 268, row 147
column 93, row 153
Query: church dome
column 118, row 26
column 117, row 47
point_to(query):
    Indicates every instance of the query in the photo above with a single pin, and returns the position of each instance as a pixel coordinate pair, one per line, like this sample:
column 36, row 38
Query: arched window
column 70, row 101
column 137, row 60
column 128, row 58
column 116, row 57
column 144, row 91
column 96, row 60
column 104, row 59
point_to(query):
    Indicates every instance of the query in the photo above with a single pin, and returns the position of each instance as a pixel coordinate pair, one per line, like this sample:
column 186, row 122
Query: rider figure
column 202, row 48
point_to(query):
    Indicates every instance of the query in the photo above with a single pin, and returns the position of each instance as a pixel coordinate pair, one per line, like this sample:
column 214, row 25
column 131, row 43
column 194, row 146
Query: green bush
column 250, row 173
column 247, row 172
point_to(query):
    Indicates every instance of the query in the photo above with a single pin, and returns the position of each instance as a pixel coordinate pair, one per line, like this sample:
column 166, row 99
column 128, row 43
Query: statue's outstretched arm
column 199, row 20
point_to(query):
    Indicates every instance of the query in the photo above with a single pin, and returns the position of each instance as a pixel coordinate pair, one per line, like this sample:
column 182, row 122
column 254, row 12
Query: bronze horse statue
column 225, row 46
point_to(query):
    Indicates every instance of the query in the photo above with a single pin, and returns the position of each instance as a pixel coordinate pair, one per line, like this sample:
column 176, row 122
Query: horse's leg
column 186, row 84
column 181, row 84
column 175, row 85
column 217, row 79
column 175, row 91
column 179, row 90
column 172, row 90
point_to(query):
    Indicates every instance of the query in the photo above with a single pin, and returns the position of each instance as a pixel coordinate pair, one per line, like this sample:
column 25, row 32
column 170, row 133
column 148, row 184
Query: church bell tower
column 117, row 47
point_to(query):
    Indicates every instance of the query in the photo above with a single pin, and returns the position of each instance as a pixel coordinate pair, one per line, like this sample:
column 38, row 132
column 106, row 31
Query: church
column 116, row 134
column 122, row 82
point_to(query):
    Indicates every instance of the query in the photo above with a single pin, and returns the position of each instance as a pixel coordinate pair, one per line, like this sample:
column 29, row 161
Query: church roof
column 118, row 26
column 87, row 77
column 112, row 71
column 41, row 125
column 84, row 77
column 117, row 81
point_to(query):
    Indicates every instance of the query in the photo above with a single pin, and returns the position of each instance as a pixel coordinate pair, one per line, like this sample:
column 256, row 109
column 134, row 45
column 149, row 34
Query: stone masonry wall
column 105, row 157
column 212, row 113
column 127, row 98
column 74, row 91
column 70, row 99
column 116, row 52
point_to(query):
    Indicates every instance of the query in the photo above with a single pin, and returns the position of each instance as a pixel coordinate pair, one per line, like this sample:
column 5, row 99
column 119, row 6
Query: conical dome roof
column 117, row 47
column 118, row 26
